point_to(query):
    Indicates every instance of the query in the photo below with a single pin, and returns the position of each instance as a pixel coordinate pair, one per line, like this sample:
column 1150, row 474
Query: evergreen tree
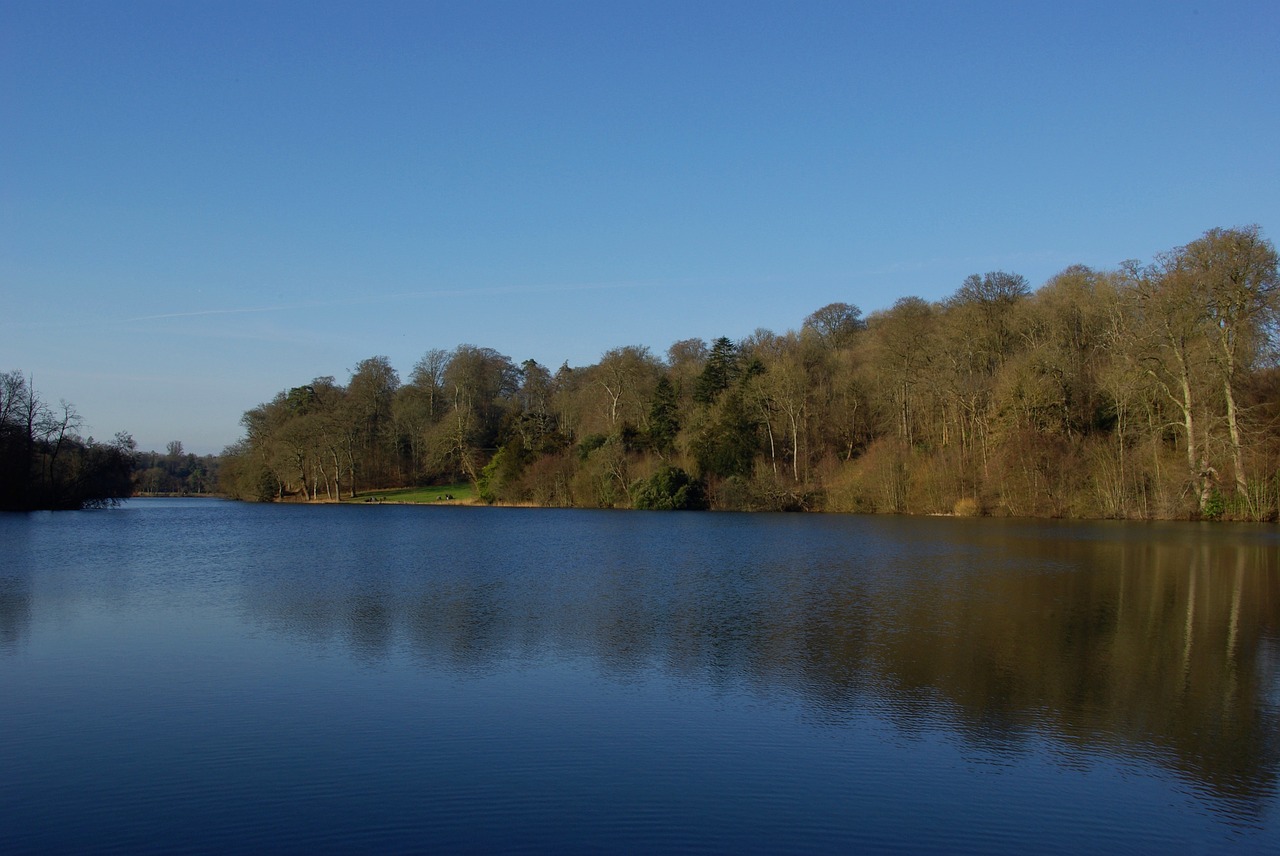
column 721, row 371
column 664, row 422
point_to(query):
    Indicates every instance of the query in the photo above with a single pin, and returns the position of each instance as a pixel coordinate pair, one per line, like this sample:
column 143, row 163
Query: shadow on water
column 1160, row 642
column 15, row 612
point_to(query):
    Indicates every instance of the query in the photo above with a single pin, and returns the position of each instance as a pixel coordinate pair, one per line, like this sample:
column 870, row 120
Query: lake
column 203, row 676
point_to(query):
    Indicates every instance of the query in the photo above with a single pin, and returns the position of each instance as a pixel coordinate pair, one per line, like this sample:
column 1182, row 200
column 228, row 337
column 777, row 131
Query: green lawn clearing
column 462, row 492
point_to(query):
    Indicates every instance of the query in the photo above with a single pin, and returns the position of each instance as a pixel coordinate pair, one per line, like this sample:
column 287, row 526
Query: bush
column 501, row 476
column 669, row 489
column 589, row 444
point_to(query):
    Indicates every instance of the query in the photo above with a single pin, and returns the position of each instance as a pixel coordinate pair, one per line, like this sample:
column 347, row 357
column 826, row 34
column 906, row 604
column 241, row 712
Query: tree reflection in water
column 1157, row 641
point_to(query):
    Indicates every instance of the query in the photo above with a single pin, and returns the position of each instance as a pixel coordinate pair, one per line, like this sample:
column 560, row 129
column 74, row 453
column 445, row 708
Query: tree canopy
column 1145, row 391
column 46, row 464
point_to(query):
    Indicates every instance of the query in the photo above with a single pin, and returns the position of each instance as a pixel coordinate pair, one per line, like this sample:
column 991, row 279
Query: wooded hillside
column 1143, row 392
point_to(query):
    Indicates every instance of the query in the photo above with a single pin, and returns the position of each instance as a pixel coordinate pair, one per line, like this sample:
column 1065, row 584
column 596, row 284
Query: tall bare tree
column 1233, row 275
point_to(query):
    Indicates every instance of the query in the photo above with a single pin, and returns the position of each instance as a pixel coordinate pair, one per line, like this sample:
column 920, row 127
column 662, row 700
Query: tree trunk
column 1237, row 456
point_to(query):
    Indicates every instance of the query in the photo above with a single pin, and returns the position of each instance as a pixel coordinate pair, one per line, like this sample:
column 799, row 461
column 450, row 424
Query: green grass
column 462, row 492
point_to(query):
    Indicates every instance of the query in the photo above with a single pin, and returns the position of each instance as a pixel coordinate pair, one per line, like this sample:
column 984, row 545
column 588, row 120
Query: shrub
column 669, row 489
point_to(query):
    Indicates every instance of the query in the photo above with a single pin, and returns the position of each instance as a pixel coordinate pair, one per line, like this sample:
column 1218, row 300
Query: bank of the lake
column 465, row 493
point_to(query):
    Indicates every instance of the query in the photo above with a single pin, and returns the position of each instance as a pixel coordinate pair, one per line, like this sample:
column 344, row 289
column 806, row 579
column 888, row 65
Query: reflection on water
column 1145, row 644
column 15, row 612
column 1154, row 641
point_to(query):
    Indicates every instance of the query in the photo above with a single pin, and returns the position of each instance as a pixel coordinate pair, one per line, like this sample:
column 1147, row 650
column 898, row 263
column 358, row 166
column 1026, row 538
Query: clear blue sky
column 202, row 204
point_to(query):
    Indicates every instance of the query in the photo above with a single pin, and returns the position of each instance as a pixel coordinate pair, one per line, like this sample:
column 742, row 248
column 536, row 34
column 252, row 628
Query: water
column 201, row 676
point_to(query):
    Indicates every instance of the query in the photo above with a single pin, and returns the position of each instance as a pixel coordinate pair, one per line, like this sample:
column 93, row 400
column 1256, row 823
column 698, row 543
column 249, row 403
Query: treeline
column 175, row 472
column 1150, row 391
column 45, row 464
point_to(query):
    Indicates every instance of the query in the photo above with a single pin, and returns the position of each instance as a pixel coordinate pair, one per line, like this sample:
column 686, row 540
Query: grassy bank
column 461, row 493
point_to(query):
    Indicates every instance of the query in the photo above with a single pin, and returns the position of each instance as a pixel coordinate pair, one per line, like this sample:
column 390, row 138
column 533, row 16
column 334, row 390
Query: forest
column 1148, row 391
column 175, row 472
column 46, row 464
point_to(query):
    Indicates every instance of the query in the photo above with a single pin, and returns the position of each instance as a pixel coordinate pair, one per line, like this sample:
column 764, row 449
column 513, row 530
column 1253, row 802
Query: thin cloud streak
column 391, row 298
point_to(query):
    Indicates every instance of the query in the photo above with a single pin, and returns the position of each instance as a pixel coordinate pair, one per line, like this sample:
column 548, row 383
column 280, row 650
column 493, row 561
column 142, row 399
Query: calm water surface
column 198, row 676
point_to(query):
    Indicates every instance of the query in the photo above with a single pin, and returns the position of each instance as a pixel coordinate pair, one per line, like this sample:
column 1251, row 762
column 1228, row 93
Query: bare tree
column 835, row 324
column 628, row 376
column 1233, row 273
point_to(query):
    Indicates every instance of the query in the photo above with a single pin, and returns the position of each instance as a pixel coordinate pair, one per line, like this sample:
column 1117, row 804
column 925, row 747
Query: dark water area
column 202, row 676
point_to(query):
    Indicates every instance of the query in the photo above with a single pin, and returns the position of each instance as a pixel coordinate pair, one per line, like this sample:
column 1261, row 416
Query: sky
column 205, row 203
